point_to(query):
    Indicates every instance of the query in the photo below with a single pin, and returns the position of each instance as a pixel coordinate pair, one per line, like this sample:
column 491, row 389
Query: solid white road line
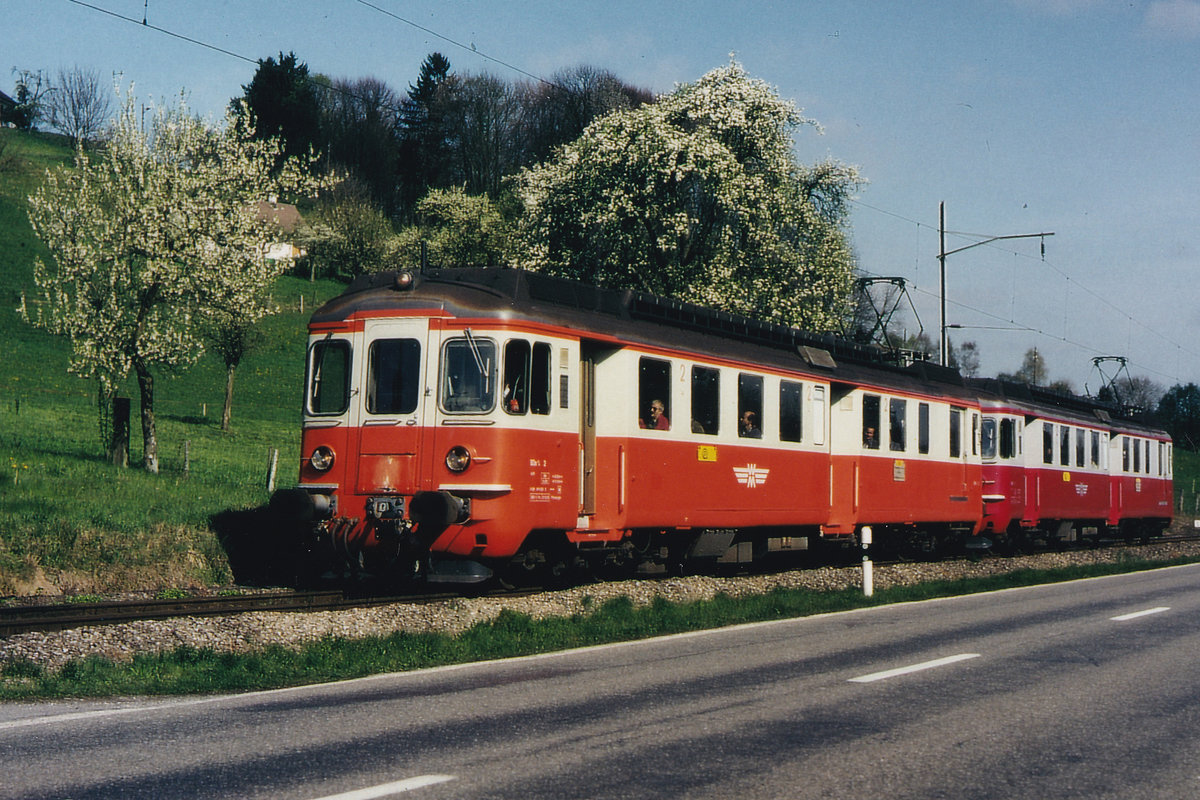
column 1137, row 614
column 892, row 673
column 386, row 789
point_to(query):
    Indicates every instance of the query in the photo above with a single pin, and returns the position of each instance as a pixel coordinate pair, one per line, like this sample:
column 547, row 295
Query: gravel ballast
column 255, row 631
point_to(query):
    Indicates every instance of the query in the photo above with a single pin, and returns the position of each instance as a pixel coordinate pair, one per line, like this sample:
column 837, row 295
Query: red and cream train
column 464, row 422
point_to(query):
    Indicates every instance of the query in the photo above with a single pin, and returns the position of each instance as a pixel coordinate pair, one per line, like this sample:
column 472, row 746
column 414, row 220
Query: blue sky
column 1080, row 117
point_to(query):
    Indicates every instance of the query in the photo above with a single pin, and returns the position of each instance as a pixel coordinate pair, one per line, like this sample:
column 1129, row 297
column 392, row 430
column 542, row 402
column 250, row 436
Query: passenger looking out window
column 750, row 397
column 657, row 420
column 870, row 422
column 654, row 394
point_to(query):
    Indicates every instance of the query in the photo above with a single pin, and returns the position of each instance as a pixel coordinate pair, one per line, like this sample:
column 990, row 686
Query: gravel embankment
column 248, row 632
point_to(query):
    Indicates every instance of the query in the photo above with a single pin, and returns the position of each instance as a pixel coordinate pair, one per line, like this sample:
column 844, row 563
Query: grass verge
column 194, row 671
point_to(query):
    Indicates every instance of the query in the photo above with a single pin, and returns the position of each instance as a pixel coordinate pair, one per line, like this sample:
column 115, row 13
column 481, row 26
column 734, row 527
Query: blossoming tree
column 151, row 240
column 698, row 195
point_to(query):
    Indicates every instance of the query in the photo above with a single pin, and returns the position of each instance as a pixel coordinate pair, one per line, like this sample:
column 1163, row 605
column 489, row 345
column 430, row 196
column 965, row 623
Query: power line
column 471, row 48
column 1125, row 314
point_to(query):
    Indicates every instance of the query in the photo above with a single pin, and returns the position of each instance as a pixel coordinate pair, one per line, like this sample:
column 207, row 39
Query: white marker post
column 868, row 575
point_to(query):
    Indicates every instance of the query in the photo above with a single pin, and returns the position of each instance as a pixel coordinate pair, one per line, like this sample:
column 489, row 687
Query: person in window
column 870, row 439
column 658, row 420
column 749, row 428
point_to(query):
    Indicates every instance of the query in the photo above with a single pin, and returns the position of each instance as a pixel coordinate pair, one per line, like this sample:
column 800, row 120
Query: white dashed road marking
column 892, row 673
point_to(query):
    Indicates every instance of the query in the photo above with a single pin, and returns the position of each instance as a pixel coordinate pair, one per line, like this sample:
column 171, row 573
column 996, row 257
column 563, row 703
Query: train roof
column 642, row 318
column 634, row 317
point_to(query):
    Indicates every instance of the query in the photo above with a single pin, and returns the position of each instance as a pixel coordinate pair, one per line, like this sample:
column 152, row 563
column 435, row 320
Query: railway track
column 62, row 616
column 47, row 617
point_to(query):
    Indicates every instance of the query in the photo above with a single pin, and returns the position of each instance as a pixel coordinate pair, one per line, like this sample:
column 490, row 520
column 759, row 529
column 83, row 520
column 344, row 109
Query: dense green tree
column 283, row 100
column 425, row 154
column 1179, row 412
column 698, row 195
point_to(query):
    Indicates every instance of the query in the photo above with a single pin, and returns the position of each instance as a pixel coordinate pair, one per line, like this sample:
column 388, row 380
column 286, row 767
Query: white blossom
column 698, row 195
column 151, row 238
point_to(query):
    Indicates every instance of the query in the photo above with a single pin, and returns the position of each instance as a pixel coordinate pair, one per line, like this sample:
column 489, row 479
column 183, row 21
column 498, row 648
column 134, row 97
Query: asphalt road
column 1087, row 689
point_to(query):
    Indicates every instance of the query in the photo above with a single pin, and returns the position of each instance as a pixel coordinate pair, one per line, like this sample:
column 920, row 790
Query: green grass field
column 70, row 519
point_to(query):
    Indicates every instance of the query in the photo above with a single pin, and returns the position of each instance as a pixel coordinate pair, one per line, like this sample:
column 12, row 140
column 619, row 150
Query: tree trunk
column 149, row 437
column 228, row 410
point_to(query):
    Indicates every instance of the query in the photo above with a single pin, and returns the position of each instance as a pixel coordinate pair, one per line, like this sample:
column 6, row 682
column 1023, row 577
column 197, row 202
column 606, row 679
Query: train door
column 587, row 429
column 395, row 405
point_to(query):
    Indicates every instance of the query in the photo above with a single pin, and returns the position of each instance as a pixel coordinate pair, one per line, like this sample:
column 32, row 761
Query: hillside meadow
column 71, row 522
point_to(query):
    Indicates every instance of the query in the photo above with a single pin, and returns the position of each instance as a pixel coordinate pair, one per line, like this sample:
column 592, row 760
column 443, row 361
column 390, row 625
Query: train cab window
column 974, row 434
column 870, row 421
column 923, row 428
column 1080, row 447
column 1008, row 438
column 750, row 402
column 329, row 377
column 654, row 394
column 706, row 400
column 1064, row 445
column 526, row 377
column 956, row 448
column 468, row 384
column 393, row 376
column 791, row 411
column 898, row 428
column 987, row 439
column 1048, row 442
column 517, row 356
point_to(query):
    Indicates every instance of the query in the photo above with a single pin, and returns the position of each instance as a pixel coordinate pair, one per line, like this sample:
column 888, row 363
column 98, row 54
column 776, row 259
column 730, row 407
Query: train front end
column 432, row 441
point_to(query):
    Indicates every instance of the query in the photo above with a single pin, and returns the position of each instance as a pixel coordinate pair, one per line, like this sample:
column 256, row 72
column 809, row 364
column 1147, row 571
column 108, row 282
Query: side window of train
column 1080, row 447
column 1047, row 442
column 1064, row 445
column 654, row 392
column 539, row 380
column 1137, row 456
column 870, row 421
column 750, row 402
column 791, row 411
column 1125, row 454
column 706, row 400
column 923, row 429
column 1008, row 438
column 898, row 430
column 1095, row 448
column 329, row 377
column 956, row 449
column 820, row 414
column 974, row 433
column 393, row 376
column 468, row 384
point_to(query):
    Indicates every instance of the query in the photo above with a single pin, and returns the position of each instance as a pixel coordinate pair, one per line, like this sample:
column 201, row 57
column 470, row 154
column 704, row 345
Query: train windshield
column 393, row 376
column 468, row 382
column 329, row 377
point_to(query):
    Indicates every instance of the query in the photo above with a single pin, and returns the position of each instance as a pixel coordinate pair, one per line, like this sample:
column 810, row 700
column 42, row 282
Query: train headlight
column 404, row 280
column 458, row 459
column 321, row 459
